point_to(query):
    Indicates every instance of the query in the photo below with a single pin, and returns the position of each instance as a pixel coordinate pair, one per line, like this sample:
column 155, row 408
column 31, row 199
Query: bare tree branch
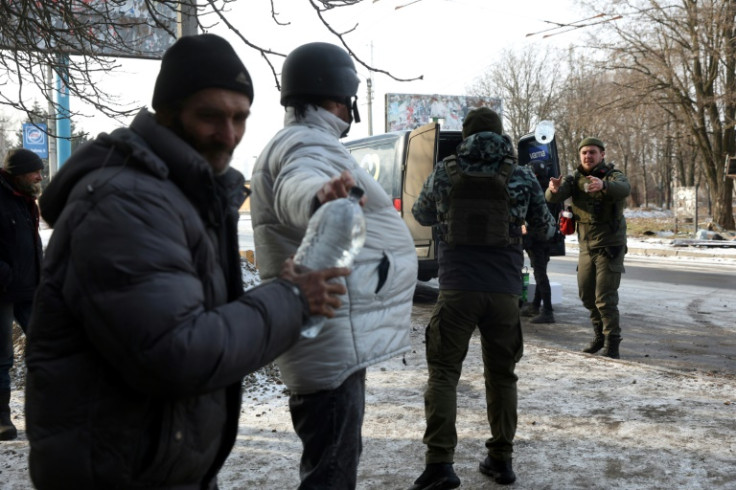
column 327, row 5
column 683, row 52
column 33, row 34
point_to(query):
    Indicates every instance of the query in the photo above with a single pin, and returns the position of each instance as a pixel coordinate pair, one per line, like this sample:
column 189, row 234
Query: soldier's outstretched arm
column 554, row 184
column 558, row 189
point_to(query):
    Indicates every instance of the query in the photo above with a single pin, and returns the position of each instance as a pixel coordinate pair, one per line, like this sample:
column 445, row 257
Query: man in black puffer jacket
column 20, row 261
column 141, row 332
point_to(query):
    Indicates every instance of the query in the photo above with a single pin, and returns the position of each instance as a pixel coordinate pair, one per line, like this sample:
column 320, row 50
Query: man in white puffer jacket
column 303, row 166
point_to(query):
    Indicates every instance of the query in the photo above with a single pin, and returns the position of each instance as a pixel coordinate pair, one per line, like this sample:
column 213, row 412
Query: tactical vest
column 478, row 211
column 592, row 208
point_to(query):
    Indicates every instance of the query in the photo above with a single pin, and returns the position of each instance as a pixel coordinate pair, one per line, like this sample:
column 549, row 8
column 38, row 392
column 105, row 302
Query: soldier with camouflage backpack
column 479, row 199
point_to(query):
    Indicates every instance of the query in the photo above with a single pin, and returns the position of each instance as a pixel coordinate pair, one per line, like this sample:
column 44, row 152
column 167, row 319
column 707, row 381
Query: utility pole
column 370, row 106
column 369, row 83
column 187, row 14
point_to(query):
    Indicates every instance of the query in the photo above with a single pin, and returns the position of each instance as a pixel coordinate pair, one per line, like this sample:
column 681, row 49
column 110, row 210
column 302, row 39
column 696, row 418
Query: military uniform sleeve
column 425, row 207
column 617, row 186
column 562, row 193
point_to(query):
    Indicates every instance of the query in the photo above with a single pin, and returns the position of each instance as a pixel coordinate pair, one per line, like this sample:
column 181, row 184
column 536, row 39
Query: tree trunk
column 723, row 204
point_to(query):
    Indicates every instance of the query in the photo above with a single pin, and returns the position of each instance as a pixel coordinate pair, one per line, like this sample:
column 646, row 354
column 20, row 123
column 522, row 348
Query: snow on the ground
column 585, row 422
column 648, row 213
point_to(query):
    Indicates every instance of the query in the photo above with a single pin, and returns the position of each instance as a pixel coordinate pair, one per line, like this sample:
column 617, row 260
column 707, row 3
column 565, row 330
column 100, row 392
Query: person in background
column 302, row 167
column 598, row 193
column 539, row 252
column 20, row 261
column 480, row 199
column 141, row 332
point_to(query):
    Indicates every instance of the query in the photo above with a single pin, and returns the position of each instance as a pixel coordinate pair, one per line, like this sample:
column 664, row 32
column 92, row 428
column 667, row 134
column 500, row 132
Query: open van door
column 421, row 155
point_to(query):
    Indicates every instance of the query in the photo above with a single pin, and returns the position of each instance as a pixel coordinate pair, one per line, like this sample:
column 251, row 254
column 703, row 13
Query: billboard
column 686, row 198
column 130, row 28
column 409, row 111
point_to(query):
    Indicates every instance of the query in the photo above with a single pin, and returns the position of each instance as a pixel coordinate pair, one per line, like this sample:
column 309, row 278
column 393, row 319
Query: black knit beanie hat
column 194, row 63
column 482, row 119
column 590, row 141
column 21, row 161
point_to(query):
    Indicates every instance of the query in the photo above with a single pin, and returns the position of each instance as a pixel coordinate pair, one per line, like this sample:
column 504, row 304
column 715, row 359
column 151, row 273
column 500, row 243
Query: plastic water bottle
column 335, row 234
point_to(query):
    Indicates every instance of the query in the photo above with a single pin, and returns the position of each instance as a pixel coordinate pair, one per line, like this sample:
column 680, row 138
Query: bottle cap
column 356, row 192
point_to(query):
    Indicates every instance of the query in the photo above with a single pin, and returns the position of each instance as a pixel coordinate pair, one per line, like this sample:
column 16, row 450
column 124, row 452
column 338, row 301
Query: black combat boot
column 610, row 347
column 437, row 476
column 598, row 340
column 8, row 431
column 545, row 316
column 500, row 470
column 530, row 309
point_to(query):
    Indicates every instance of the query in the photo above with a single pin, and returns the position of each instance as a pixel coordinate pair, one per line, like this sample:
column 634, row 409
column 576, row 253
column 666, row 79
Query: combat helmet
column 320, row 70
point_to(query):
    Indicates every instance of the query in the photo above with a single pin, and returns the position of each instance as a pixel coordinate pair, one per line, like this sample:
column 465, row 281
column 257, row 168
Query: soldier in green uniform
column 479, row 200
column 598, row 191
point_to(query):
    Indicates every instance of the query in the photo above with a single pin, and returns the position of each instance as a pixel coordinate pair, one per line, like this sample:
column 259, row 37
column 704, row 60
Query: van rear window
column 380, row 157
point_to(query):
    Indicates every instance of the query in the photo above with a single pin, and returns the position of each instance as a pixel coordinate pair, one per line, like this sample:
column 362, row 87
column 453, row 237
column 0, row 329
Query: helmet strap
column 354, row 108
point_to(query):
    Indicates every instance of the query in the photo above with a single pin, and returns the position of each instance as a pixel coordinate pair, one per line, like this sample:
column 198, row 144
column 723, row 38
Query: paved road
column 664, row 271
column 674, row 314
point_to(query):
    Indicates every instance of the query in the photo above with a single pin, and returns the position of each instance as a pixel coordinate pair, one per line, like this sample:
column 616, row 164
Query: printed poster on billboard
column 409, row 111
column 131, row 28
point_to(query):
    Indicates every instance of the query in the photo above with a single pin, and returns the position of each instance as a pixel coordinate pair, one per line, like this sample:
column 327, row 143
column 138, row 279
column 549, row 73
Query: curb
column 672, row 251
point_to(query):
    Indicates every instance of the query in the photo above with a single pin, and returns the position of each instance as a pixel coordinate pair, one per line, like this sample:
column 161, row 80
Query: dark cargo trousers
column 21, row 313
column 538, row 252
column 599, row 276
column 329, row 424
column 455, row 317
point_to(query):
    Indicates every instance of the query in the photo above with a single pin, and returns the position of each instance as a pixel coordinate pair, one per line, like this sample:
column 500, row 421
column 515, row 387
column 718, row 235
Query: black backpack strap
column 507, row 168
column 453, row 172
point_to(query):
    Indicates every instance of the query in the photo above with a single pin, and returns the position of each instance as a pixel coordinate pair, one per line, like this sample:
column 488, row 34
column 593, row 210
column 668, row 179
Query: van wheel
column 425, row 276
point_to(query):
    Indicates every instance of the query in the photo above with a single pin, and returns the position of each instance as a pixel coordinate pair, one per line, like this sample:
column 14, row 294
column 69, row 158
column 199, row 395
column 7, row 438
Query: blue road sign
column 35, row 139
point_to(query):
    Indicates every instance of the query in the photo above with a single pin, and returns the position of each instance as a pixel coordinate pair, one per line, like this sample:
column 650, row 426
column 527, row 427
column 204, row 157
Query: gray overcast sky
column 448, row 42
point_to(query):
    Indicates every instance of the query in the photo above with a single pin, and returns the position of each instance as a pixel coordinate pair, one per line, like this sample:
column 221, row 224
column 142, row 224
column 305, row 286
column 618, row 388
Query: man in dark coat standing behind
column 20, row 261
column 141, row 331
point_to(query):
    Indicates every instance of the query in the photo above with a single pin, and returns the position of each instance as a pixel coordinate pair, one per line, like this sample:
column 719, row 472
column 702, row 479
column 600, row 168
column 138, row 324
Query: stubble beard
column 216, row 154
column 30, row 189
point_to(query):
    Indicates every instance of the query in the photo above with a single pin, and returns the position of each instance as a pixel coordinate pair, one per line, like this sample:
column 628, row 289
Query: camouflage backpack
column 479, row 206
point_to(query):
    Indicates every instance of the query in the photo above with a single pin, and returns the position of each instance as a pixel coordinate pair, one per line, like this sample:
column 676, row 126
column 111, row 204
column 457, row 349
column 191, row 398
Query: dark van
column 401, row 161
